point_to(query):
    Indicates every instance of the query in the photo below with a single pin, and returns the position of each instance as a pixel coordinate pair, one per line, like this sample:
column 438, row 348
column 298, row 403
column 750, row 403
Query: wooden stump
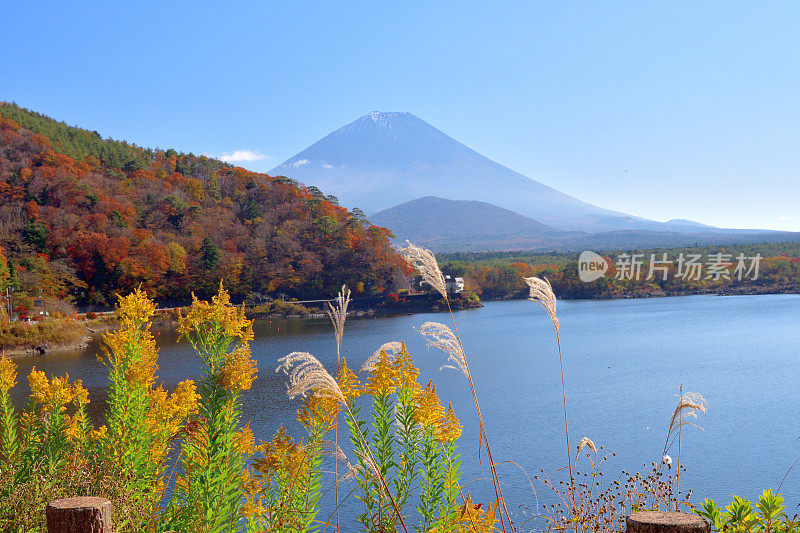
column 666, row 522
column 84, row 514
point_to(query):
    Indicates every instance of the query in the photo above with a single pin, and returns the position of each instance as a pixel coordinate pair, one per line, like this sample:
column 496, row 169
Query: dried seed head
column 328, row 448
column 338, row 315
column 689, row 404
column 585, row 441
column 542, row 292
column 306, row 374
column 440, row 336
column 352, row 472
column 425, row 263
column 392, row 350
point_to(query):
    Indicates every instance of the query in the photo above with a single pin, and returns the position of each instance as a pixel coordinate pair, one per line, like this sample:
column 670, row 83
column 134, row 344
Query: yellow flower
column 159, row 408
column 244, row 441
column 134, row 351
column 157, row 453
column 80, row 396
column 168, row 411
column 73, row 428
column 8, row 374
column 250, row 483
column 319, row 411
column 219, row 312
column 252, row 508
column 282, row 455
column 382, row 378
column 348, row 382
column 39, row 385
column 142, row 371
column 51, row 395
column 474, row 519
column 450, row 428
column 135, row 309
column 98, row 434
column 184, row 399
column 239, row 370
column 405, row 371
column 429, row 411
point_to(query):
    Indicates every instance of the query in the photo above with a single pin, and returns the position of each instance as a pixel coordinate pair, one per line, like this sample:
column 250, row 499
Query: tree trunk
column 84, row 514
column 666, row 522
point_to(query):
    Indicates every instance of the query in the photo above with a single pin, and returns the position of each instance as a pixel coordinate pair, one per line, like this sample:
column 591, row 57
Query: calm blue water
column 623, row 363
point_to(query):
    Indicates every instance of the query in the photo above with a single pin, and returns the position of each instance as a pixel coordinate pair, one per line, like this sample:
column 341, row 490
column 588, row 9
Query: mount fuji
column 410, row 175
column 384, row 159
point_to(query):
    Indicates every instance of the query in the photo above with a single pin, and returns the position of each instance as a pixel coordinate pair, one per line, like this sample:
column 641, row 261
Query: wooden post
column 666, row 522
column 84, row 514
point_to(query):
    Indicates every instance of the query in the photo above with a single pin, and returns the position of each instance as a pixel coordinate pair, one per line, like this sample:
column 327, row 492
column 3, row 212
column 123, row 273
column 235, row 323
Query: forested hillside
column 500, row 274
column 82, row 217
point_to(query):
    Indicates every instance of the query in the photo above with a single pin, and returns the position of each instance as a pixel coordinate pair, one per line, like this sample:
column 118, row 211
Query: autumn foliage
column 86, row 217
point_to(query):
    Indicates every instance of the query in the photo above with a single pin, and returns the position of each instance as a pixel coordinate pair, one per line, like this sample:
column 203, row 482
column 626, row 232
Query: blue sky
column 663, row 110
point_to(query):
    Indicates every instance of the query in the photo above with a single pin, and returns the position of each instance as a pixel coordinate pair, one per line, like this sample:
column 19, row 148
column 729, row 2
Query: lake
column 624, row 361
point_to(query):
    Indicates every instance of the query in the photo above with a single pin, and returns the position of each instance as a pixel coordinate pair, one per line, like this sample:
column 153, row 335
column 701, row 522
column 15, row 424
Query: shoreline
column 94, row 328
column 36, row 349
column 789, row 288
column 164, row 318
column 718, row 291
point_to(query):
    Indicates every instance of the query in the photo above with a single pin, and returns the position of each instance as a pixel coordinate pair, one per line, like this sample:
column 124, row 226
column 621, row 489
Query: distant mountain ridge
column 452, row 225
column 464, row 225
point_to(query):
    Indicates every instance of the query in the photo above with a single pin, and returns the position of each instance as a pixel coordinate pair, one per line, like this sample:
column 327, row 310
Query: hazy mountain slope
column 447, row 225
column 636, row 240
column 383, row 159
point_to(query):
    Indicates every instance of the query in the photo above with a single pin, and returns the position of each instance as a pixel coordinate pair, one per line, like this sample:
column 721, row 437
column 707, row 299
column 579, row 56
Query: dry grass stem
column 689, row 404
column 440, row 336
column 391, row 349
column 542, row 292
column 338, row 315
column 328, row 448
column 370, row 469
column 425, row 263
column 306, row 374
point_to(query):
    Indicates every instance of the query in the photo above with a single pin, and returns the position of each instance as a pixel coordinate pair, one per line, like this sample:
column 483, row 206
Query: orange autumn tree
column 111, row 216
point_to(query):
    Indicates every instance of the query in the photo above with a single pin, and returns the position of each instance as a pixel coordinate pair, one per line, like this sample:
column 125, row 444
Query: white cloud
column 300, row 163
column 326, row 165
column 787, row 218
column 243, row 156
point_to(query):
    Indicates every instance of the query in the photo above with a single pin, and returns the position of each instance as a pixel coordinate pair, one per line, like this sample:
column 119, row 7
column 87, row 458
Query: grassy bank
column 29, row 338
column 19, row 337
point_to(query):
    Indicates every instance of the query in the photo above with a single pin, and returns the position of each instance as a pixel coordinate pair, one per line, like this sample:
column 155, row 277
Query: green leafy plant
column 740, row 517
column 211, row 486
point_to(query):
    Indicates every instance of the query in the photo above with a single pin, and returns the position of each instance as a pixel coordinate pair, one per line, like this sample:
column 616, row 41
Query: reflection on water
column 623, row 362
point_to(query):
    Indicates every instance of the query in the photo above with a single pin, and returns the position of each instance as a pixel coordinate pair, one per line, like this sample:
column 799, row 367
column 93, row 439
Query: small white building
column 454, row 285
